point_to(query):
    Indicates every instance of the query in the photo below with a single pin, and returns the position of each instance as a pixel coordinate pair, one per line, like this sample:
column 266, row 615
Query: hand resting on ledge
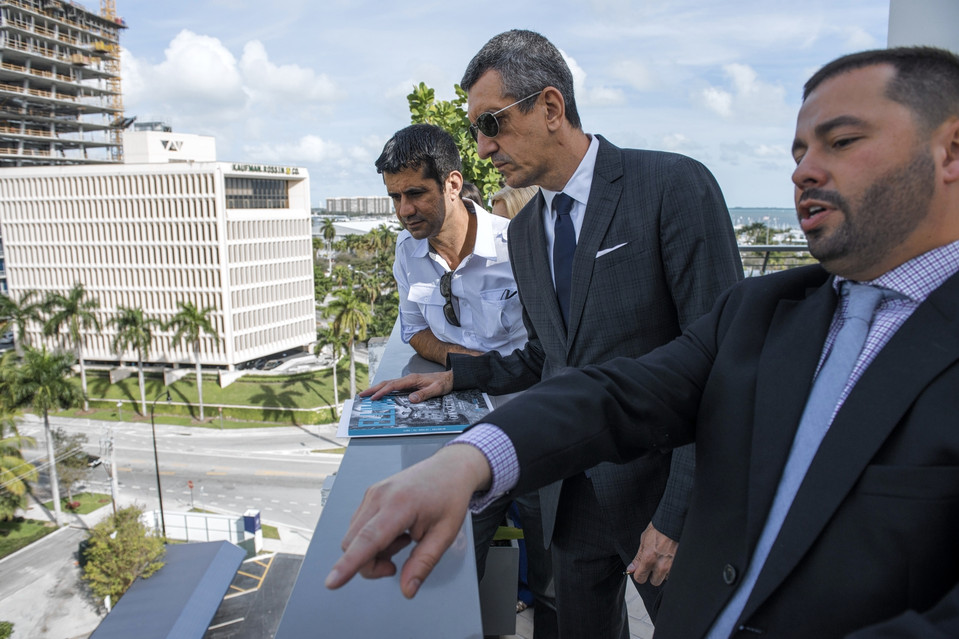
column 426, row 504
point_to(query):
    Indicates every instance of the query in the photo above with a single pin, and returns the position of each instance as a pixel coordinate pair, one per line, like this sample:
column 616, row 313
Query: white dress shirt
column 484, row 291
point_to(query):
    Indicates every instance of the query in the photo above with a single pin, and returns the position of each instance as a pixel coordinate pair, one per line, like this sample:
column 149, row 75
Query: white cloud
column 281, row 85
column 308, row 149
column 718, row 101
column 589, row 95
column 679, row 143
column 748, row 98
column 635, row 74
column 197, row 68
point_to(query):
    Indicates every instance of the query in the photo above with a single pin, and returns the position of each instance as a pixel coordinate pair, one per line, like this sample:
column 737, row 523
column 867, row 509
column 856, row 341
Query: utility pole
column 107, row 450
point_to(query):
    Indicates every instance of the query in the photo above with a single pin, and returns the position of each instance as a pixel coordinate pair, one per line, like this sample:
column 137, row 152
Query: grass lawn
column 309, row 392
column 269, row 532
column 88, row 503
column 18, row 533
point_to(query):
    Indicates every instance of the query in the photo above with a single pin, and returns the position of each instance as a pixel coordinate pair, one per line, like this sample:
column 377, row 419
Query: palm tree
column 42, row 382
column 350, row 319
column 75, row 311
column 336, row 342
column 369, row 287
column 17, row 314
column 135, row 331
column 382, row 239
column 341, row 275
column 15, row 472
column 190, row 323
column 329, row 234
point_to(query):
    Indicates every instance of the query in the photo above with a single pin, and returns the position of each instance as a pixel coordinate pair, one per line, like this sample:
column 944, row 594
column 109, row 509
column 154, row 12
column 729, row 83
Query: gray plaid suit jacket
column 655, row 251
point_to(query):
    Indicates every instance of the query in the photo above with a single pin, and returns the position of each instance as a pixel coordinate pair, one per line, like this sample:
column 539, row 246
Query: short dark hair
column 471, row 192
column 527, row 62
column 423, row 146
column 926, row 80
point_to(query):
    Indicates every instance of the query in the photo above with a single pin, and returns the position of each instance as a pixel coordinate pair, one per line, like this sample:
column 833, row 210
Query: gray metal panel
column 447, row 605
column 180, row 599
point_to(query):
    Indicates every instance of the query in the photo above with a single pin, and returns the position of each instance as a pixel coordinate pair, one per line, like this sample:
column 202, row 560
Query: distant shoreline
column 776, row 218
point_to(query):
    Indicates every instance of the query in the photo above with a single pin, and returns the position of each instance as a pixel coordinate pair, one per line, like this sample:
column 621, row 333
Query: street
column 277, row 470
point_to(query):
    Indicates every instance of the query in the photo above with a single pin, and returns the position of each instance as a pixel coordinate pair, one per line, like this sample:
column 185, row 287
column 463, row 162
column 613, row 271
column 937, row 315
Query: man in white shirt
column 457, row 295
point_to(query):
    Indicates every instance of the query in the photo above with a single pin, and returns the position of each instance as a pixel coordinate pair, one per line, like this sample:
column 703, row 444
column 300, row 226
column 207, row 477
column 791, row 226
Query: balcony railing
column 760, row 259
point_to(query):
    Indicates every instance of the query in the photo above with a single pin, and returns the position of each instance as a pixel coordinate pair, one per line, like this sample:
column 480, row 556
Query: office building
column 370, row 205
column 231, row 237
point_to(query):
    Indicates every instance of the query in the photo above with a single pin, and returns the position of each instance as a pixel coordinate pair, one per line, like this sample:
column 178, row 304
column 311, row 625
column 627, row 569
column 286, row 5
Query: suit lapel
column 927, row 343
column 605, row 191
column 796, row 325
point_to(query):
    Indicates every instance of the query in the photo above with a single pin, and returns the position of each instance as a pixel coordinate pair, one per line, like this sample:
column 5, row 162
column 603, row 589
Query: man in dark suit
column 654, row 248
column 860, row 538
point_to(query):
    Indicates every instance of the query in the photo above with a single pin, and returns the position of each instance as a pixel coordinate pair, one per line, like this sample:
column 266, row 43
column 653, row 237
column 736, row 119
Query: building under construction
column 60, row 97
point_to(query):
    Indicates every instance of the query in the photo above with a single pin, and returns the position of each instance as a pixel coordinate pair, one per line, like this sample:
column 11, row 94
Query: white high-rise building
column 231, row 237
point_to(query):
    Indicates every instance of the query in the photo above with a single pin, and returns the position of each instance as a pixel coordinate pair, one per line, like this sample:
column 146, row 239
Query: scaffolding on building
column 60, row 92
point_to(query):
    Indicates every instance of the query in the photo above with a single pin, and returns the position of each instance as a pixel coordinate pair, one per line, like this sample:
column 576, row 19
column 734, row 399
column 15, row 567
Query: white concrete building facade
column 232, row 237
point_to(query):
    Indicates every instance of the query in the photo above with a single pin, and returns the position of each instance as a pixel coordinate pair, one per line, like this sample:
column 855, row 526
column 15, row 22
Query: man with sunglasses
column 457, row 295
column 642, row 248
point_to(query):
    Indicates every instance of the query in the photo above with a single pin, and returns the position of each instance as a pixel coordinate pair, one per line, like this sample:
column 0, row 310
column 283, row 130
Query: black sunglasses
column 447, row 292
column 488, row 125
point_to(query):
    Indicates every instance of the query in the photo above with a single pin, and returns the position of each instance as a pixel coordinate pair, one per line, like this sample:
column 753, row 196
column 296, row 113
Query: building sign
column 266, row 169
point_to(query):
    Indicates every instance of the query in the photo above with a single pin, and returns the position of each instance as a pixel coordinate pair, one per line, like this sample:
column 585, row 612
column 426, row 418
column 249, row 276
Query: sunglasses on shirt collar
column 447, row 291
column 488, row 125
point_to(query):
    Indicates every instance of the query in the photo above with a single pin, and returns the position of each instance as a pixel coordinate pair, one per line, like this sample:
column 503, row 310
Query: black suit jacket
column 872, row 535
column 655, row 251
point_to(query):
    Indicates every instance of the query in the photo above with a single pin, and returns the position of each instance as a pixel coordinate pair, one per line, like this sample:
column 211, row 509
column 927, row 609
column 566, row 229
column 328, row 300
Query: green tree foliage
column 75, row 313
column 337, row 342
column 73, row 464
column 189, row 324
column 15, row 471
column 119, row 550
column 450, row 115
column 135, row 331
column 6, row 630
column 14, row 315
column 387, row 309
column 42, row 382
column 351, row 316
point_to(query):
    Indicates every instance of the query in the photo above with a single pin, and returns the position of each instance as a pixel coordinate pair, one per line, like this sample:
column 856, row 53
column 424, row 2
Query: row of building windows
column 129, row 279
column 273, row 315
column 98, row 187
column 99, row 257
column 254, row 296
column 256, row 193
column 99, row 346
column 189, row 209
column 126, row 232
column 293, row 321
column 262, row 251
column 300, row 332
column 257, row 230
column 268, row 273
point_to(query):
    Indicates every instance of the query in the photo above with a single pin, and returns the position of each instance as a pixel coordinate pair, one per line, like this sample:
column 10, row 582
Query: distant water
column 775, row 218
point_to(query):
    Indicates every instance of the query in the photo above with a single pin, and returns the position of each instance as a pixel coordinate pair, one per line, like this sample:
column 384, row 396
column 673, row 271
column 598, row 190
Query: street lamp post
column 156, row 462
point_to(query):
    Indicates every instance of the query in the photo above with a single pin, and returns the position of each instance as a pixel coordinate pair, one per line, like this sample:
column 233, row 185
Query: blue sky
column 323, row 83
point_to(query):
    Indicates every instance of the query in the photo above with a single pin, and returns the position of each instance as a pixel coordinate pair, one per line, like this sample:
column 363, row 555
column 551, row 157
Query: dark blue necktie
column 564, row 247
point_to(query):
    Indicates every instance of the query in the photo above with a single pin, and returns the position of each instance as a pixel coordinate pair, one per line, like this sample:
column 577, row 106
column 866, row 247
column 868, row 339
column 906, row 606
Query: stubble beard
column 891, row 208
